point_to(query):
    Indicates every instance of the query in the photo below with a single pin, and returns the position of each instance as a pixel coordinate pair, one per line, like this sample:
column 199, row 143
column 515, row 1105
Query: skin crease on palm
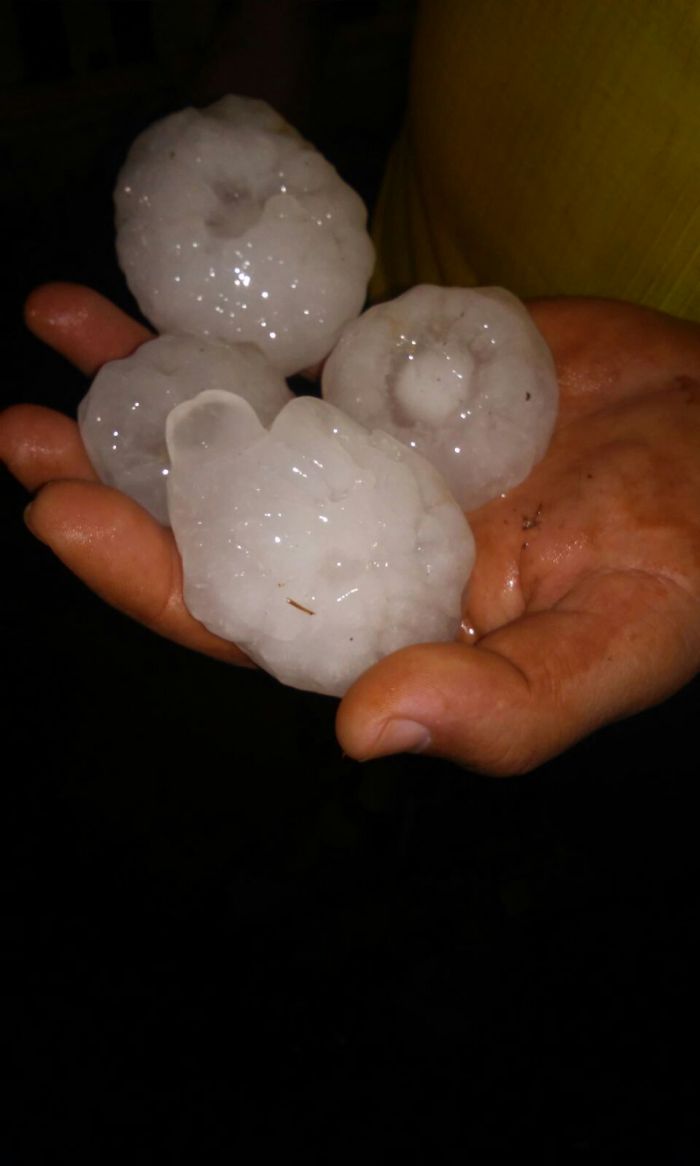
column 584, row 605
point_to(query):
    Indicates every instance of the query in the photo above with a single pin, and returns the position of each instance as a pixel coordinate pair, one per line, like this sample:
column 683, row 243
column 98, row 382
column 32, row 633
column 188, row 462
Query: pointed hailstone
column 122, row 417
column 230, row 225
column 318, row 547
column 462, row 375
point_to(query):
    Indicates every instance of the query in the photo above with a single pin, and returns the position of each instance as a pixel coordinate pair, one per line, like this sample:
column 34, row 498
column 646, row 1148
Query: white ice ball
column 122, row 417
column 460, row 374
column 230, row 225
column 318, row 547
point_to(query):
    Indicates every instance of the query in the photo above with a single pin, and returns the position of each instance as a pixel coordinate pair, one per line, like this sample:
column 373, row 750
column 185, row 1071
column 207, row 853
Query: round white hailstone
column 122, row 417
column 318, row 547
column 460, row 374
column 230, row 225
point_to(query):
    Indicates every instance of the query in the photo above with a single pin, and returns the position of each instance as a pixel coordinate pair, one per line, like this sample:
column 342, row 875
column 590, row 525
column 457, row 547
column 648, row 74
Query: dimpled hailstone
column 230, row 225
column 122, row 418
column 461, row 375
column 318, row 547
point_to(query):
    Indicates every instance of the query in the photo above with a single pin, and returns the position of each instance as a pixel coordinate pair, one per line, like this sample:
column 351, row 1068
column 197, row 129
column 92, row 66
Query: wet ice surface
column 318, row 547
column 230, row 225
column 460, row 374
column 316, row 544
column 122, row 417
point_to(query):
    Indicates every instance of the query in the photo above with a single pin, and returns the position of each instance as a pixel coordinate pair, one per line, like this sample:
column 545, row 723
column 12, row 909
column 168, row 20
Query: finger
column 125, row 556
column 530, row 690
column 494, row 593
column 82, row 325
column 38, row 445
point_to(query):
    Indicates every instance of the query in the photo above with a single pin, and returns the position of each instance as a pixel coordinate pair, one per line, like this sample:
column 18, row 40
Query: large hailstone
column 230, row 225
column 122, row 417
column 318, row 547
column 460, row 374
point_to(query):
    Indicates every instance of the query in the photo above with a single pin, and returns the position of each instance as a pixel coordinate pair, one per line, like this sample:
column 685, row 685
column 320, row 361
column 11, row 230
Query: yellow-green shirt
column 552, row 147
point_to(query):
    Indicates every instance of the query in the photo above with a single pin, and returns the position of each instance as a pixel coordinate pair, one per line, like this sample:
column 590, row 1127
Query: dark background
column 224, row 925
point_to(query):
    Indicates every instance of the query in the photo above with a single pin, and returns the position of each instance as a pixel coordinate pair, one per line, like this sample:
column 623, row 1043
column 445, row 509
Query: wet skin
column 584, row 605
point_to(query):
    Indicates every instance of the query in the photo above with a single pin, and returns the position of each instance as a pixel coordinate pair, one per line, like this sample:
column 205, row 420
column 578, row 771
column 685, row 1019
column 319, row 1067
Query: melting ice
column 230, row 225
column 317, row 546
column 460, row 374
column 122, row 417
column 313, row 539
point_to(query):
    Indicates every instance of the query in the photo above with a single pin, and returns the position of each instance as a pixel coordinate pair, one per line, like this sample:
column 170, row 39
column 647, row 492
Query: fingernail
column 26, row 513
column 399, row 736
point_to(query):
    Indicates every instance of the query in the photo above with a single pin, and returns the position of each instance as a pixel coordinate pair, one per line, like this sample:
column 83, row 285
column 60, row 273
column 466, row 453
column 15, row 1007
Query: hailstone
column 122, row 417
column 230, row 225
column 317, row 546
column 461, row 375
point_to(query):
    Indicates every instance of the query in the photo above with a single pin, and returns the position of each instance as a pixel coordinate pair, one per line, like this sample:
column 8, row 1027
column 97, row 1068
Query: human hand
column 584, row 601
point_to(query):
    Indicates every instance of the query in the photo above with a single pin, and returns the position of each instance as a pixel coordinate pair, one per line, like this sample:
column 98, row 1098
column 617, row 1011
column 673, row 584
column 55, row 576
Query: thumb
column 448, row 700
column 531, row 689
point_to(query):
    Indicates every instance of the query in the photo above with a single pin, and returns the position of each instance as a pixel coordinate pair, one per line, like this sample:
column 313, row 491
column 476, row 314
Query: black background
column 231, row 930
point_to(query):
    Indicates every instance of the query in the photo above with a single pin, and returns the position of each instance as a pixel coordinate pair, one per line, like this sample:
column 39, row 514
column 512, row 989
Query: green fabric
column 553, row 147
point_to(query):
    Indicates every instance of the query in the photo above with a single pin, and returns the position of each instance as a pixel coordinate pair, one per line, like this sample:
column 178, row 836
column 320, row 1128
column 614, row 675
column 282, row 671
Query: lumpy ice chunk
column 317, row 546
column 230, row 225
column 460, row 374
column 122, row 417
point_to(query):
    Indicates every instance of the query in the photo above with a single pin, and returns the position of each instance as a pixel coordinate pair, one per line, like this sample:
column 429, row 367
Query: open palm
column 584, row 605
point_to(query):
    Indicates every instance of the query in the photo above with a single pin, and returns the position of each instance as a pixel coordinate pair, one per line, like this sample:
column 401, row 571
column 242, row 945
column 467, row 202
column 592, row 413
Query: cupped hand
column 584, row 605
